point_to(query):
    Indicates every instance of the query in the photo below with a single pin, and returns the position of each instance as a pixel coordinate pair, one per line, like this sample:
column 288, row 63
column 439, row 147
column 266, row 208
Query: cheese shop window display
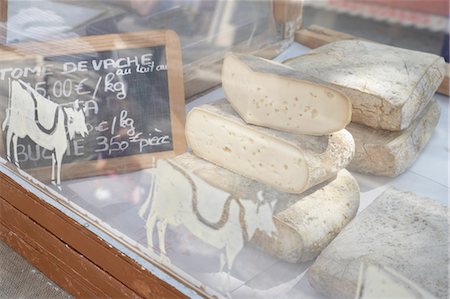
column 205, row 149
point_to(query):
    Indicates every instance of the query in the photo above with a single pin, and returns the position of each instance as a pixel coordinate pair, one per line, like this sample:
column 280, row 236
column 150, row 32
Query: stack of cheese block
column 391, row 91
column 269, row 140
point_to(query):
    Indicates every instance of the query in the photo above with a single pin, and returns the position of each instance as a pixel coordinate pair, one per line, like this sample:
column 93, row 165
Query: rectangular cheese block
column 387, row 153
column 400, row 230
column 289, row 162
column 388, row 86
column 273, row 95
column 302, row 224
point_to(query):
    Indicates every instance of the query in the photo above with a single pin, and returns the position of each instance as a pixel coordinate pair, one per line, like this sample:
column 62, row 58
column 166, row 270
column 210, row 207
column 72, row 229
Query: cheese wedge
column 289, row 162
column 399, row 230
column 387, row 153
column 272, row 95
column 388, row 86
column 305, row 223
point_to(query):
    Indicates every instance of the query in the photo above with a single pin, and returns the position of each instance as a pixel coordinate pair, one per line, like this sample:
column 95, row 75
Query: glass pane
column 122, row 113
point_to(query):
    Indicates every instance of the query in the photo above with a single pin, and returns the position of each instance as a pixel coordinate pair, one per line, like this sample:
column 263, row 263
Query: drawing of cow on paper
column 212, row 215
column 46, row 123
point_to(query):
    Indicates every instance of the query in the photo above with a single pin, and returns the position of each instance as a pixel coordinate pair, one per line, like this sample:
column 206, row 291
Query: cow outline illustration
column 48, row 124
column 238, row 223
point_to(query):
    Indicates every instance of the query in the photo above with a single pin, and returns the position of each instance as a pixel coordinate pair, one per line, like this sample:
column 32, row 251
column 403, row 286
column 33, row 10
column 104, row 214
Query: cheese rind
column 377, row 282
column 272, row 95
column 305, row 223
column 387, row 153
column 289, row 162
column 400, row 230
column 388, row 86
column 315, row 219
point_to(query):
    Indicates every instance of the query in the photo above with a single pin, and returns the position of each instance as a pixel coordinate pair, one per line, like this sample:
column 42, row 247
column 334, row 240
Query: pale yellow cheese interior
column 275, row 98
column 246, row 151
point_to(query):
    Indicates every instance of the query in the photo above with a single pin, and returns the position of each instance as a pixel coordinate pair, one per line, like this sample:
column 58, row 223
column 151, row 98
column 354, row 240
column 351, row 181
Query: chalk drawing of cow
column 48, row 124
column 212, row 215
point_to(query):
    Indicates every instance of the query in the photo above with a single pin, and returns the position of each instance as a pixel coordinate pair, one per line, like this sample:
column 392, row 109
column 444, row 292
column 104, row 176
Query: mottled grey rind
column 388, row 86
column 387, row 153
column 400, row 230
column 314, row 221
column 306, row 223
column 376, row 282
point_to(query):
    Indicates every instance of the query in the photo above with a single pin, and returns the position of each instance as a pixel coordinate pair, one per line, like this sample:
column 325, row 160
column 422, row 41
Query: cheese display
column 400, row 230
column 377, row 282
column 387, row 153
column 272, row 95
column 291, row 163
column 304, row 224
column 388, row 86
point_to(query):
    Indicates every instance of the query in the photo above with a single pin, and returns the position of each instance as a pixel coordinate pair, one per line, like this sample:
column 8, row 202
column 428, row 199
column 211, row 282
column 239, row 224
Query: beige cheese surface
column 316, row 220
column 400, row 230
column 388, row 86
column 387, row 153
column 305, row 223
column 289, row 162
column 273, row 95
column 380, row 282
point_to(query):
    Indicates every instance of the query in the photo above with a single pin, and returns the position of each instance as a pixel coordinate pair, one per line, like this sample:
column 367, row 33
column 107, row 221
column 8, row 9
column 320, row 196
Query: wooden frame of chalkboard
column 138, row 54
column 3, row 20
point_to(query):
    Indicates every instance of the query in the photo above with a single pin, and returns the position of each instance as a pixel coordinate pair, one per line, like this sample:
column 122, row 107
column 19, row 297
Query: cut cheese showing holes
column 272, row 95
column 289, row 162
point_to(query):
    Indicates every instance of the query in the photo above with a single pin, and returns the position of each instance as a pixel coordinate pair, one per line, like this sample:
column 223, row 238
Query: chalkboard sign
column 92, row 105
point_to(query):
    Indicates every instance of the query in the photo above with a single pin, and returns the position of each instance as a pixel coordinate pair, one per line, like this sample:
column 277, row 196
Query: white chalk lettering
column 126, row 121
column 136, row 137
column 123, row 72
column 40, row 88
column 97, row 64
column 21, row 154
column 102, row 127
column 155, row 140
column 145, row 69
column 146, row 59
column 80, row 86
column 82, row 66
column 90, row 106
column 3, row 72
column 18, row 73
column 119, row 63
column 161, row 67
column 62, row 88
column 78, row 147
column 69, row 67
column 115, row 87
column 112, row 145
column 102, row 141
column 46, row 154
column 109, row 63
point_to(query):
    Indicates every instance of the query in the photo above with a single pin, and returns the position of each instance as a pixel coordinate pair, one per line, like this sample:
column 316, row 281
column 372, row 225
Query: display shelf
column 117, row 239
